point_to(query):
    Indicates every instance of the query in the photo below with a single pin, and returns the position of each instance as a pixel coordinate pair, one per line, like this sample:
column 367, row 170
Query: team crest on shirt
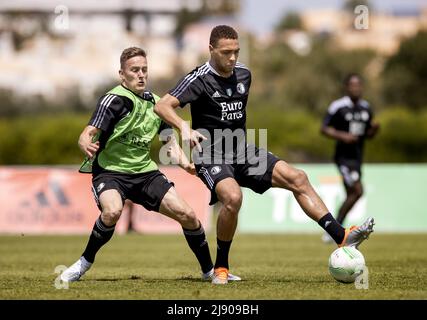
column 241, row 88
column 229, row 92
column 215, row 170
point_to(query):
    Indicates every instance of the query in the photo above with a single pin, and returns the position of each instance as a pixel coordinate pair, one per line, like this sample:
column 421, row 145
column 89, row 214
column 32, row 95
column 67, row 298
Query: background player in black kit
column 349, row 121
column 218, row 92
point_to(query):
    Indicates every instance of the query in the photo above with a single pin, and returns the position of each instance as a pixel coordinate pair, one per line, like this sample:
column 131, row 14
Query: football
column 346, row 264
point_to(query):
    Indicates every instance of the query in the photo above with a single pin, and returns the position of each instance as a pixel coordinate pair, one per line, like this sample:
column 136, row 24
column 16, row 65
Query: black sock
column 100, row 235
column 223, row 248
column 331, row 226
column 196, row 239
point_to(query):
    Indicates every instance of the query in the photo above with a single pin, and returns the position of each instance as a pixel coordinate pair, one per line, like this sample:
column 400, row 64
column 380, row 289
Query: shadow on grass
column 149, row 280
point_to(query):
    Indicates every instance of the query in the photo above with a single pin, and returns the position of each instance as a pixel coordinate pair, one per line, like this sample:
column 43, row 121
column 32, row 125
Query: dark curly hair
column 222, row 32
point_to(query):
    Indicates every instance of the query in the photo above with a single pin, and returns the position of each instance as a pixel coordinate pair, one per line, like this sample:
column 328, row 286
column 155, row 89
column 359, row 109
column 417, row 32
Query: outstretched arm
column 165, row 109
column 177, row 155
column 338, row 135
column 86, row 144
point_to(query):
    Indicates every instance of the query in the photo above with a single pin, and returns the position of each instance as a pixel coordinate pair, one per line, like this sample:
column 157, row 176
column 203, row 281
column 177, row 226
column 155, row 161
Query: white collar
column 348, row 101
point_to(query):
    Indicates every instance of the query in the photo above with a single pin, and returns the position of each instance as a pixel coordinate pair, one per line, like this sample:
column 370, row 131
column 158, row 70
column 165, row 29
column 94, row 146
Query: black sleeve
column 329, row 120
column 109, row 110
column 165, row 130
column 188, row 89
column 163, row 126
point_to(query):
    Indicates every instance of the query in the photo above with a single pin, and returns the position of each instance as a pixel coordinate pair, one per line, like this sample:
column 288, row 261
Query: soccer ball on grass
column 346, row 264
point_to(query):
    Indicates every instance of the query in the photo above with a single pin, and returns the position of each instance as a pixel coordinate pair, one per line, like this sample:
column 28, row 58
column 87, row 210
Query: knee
column 187, row 218
column 110, row 216
column 233, row 201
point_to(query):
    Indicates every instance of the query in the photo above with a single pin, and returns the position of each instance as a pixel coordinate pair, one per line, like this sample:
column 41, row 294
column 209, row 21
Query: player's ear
column 210, row 48
column 121, row 75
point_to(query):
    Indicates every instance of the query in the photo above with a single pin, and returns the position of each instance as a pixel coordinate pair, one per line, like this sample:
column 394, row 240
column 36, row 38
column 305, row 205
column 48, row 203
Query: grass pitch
column 163, row 267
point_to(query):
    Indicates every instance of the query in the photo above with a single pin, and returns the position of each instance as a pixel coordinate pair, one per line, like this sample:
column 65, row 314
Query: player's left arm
column 165, row 109
column 373, row 129
column 177, row 155
column 173, row 149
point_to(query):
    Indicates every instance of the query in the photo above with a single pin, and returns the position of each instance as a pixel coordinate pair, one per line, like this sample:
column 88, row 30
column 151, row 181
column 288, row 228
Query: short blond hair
column 129, row 53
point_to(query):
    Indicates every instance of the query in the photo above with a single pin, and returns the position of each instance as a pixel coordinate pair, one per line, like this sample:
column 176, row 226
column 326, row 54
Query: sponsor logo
column 216, row 95
column 96, row 234
column 231, row 111
column 100, row 187
column 215, row 170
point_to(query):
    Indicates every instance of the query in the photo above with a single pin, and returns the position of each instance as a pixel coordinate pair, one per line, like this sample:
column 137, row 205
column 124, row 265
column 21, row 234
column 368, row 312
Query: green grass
column 163, row 267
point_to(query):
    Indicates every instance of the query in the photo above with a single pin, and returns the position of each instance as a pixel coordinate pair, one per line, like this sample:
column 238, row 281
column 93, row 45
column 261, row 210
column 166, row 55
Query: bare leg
column 230, row 195
column 354, row 193
column 295, row 180
column 103, row 229
column 175, row 207
column 112, row 206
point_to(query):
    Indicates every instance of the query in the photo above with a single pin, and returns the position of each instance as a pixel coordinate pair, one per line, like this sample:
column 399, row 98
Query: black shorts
column 146, row 189
column 246, row 174
column 350, row 171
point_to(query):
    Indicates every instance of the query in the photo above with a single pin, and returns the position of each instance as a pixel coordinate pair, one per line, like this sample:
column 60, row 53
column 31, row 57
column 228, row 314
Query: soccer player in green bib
column 117, row 144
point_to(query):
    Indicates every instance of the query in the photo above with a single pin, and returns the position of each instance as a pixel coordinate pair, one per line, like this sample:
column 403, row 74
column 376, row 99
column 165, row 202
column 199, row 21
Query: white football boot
column 76, row 271
column 355, row 235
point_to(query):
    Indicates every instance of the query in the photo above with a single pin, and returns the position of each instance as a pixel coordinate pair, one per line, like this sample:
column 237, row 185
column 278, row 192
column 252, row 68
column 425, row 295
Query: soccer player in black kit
column 349, row 121
column 217, row 92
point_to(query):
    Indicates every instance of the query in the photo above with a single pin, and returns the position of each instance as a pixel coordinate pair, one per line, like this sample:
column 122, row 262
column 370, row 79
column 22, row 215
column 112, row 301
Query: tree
column 405, row 73
column 290, row 20
column 308, row 82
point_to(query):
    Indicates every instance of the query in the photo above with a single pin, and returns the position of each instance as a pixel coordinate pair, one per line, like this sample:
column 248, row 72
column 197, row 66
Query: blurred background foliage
column 289, row 96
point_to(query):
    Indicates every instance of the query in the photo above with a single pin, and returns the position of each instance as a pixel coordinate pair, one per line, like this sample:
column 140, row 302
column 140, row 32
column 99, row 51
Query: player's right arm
column 329, row 130
column 86, row 144
column 165, row 109
column 343, row 136
column 110, row 109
